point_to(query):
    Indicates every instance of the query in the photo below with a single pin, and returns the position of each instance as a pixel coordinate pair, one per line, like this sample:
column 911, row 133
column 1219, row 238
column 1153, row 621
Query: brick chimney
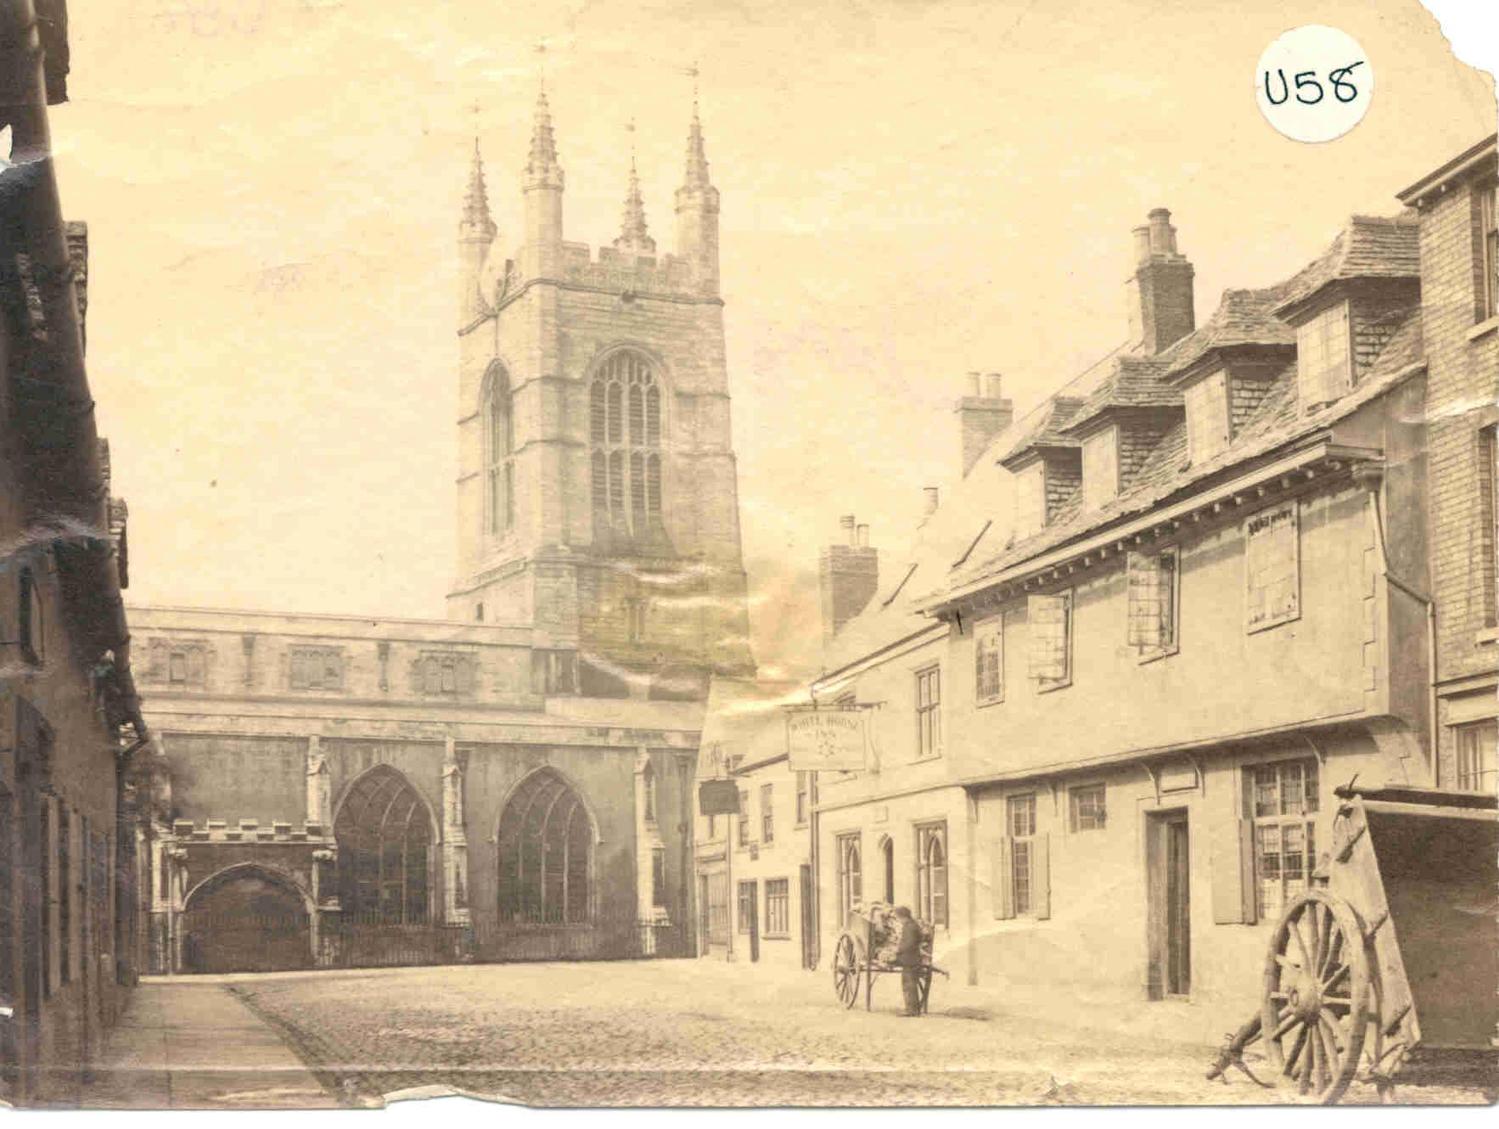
column 1160, row 291
column 848, row 576
column 982, row 414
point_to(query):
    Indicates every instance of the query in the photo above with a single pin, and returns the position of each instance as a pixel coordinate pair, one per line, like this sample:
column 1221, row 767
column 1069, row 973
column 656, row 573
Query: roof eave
column 1318, row 447
column 1440, row 178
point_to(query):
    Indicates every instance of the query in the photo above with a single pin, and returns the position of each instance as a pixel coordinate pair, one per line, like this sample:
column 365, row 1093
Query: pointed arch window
column 499, row 449
column 384, row 837
column 546, row 854
column 624, row 412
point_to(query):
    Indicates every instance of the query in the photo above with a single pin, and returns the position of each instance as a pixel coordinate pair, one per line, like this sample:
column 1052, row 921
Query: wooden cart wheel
column 1315, row 1008
column 845, row 971
column 924, row 987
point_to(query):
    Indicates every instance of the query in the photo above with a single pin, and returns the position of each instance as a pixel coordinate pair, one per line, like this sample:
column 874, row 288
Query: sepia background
column 911, row 190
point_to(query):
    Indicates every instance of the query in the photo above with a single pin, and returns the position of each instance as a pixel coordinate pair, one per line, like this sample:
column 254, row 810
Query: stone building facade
column 514, row 781
column 349, row 791
column 1459, row 285
column 597, row 493
column 1156, row 621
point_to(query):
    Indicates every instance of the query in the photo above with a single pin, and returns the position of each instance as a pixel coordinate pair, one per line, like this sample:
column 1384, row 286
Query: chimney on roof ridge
column 848, row 576
column 929, row 501
column 982, row 414
column 1160, row 290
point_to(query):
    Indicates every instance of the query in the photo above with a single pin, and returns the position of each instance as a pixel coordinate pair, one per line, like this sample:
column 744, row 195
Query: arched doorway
column 246, row 919
column 384, row 836
column 545, row 843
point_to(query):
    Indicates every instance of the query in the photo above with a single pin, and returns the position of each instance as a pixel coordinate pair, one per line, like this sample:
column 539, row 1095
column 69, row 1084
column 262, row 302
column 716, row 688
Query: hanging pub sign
column 823, row 740
column 718, row 797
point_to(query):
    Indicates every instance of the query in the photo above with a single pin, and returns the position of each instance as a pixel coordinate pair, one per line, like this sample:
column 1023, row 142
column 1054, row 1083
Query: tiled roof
column 1278, row 420
column 1243, row 317
column 1369, row 247
column 1134, row 382
column 1047, row 426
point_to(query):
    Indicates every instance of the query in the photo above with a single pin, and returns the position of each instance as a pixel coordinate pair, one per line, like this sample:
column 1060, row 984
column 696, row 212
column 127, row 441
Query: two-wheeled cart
column 1394, row 948
column 866, row 949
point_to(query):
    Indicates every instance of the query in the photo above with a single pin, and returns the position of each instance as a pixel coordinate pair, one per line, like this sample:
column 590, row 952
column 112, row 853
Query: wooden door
column 749, row 917
column 1169, row 909
column 1178, row 908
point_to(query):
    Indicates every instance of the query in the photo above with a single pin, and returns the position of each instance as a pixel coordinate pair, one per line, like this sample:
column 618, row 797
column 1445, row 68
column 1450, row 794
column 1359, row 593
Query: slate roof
column 971, row 536
column 1243, row 317
column 1047, row 426
column 1369, row 247
column 1276, row 422
column 1133, row 382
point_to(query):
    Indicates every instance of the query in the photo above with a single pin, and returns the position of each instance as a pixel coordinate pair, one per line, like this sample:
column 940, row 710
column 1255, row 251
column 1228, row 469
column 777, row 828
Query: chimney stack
column 982, row 414
column 1160, row 290
column 848, row 576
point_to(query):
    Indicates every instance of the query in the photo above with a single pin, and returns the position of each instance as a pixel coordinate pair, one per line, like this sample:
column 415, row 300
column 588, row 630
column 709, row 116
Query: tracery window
column 545, row 853
column 384, row 837
column 499, row 446
column 624, row 412
column 931, row 873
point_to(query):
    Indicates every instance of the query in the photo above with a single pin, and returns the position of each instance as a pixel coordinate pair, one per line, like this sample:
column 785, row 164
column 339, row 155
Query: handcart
column 1393, row 947
column 866, row 948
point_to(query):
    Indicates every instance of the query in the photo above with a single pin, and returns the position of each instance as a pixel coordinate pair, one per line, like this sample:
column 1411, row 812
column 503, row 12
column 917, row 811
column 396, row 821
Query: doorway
column 749, row 917
column 887, row 856
column 1169, row 889
column 809, row 927
column 703, row 916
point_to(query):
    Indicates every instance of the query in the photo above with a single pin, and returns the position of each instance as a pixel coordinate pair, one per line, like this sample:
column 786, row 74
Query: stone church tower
column 597, row 491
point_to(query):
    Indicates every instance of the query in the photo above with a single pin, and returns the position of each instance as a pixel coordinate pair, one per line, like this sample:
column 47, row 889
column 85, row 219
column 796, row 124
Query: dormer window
column 1030, row 500
column 1100, row 467
column 1324, row 356
column 1207, row 417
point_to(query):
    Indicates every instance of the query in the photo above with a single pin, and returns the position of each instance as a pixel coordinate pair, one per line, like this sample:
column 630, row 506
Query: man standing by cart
column 908, row 956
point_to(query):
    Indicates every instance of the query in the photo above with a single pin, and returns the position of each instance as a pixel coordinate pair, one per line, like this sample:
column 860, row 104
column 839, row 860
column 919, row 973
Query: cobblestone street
column 699, row 1033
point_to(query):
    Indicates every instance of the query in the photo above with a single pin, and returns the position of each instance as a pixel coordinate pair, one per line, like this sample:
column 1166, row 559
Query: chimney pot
column 930, row 500
column 1162, row 234
column 991, row 386
column 973, row 384
column 863, row 536
column 1142, row 243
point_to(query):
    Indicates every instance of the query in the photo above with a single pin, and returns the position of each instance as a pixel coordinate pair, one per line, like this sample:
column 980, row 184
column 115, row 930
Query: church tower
column 597, row 491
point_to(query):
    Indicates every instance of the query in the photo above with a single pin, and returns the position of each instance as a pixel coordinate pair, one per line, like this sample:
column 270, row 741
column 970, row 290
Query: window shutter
column 1041, row 876
column 1048, row 625
column 1233, row 873
column 1003, row 894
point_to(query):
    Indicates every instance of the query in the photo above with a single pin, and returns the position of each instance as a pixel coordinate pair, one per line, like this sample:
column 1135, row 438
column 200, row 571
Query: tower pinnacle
column 542, row 169
column 633, row 236
column 476, row 220
column 697, row 161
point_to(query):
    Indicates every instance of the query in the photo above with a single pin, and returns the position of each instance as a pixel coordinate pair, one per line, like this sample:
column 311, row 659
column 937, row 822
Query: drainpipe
column 1431, row 620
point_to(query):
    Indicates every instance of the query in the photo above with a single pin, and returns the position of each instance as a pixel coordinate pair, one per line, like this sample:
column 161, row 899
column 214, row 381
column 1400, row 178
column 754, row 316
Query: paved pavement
column 700, row 1033
column 638, row 1033
column 193, row 1045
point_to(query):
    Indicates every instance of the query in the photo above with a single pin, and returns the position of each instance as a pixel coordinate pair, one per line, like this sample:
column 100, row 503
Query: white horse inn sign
column 821, row 740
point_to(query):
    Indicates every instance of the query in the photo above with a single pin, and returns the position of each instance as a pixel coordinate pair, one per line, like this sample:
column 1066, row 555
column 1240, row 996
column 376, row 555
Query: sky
column 910, row 191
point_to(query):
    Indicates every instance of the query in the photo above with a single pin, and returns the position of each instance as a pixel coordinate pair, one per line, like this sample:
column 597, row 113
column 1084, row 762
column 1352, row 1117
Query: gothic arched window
column 624, row 412
column 499, row 451
column 384, row 840
column 545, row 853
